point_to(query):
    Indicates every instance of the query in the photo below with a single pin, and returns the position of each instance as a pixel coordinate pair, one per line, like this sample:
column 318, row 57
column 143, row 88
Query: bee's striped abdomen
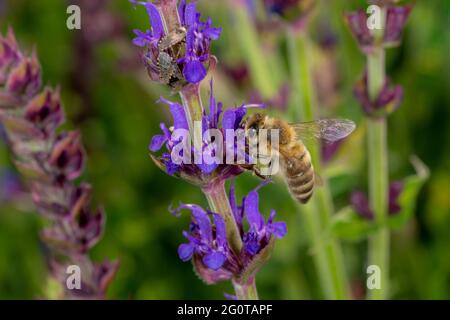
column 299, row 173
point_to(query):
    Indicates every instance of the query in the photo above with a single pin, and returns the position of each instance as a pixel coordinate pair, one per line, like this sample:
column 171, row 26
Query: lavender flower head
column 207, row 244
column 199, row 149
column 202, row 173
column 396, row 17
column 50, row 161
column 176, row 53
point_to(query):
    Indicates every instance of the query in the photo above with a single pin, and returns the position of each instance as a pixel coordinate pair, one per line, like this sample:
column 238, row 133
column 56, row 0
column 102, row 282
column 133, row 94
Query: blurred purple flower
column 207, row 242
column 189, row 55
column 395, row 22
column 49, row 160
column 396, row 17
column 388, row 99
column 361, row 204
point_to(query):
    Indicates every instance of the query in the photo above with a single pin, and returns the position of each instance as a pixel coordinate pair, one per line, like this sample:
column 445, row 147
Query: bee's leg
column 257, row 173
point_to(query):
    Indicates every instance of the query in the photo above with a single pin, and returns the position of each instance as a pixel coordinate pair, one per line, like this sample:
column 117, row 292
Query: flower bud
column 9, row 54
column 45, row 111
column 387, row 101
column 25, row 77
column 67, row 157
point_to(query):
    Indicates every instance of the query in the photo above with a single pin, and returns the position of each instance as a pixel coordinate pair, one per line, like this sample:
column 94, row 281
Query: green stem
column 253, row 52
column 378, row 169
column 219, row 203
column 246, row 291
column 315, row 235
column 378, row 189
column 193, row 106
column 328, row 255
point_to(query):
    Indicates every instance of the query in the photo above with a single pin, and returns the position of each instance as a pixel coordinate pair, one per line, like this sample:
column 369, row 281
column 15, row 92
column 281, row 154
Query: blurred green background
column 107, row 96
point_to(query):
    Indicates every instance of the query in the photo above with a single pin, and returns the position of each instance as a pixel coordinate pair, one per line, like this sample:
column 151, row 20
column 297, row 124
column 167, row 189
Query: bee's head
column 255, row 121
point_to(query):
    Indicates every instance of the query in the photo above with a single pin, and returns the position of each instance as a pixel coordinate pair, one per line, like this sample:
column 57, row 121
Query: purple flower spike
column 208, row 246
column 49, row 160
column 181, row 56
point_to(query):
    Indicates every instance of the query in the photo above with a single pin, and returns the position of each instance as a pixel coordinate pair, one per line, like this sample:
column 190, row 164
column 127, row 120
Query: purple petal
column 178, row 114
column 203, row 222
column 229, row 296
column 251, row 243
column 229, row 119
column 211, row 33
column 157, row 142
column 171, row 167
column 361, row 204
column 395, row 22
column 190, row 37
column 182, row 11
column 395, row 189
column 214, row 260
column 155, row 20
column 278, row 229
column 254, row 217
column 185, row 251
column 201, row 218
column 221, row 233
column 233, row 117
column 207, row 168
column 141, row 38
column 194, row 71
column 190, row 14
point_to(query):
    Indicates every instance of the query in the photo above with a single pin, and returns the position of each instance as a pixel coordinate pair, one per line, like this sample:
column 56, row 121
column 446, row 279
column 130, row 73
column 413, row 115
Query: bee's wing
column 329, row 130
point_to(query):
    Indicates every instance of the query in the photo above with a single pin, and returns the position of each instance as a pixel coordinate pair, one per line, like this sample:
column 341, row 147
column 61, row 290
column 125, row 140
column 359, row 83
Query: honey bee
column 295, row 159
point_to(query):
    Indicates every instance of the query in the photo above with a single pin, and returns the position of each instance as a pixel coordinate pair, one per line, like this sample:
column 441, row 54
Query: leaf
column 257, row 262
column 408, row 198
column 348, row 225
